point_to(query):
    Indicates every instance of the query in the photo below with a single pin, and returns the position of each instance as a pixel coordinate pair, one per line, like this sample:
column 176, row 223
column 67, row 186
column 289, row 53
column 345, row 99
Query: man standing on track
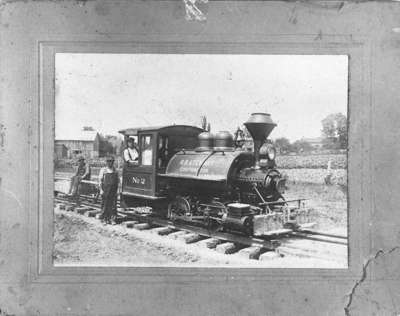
column 130, row 153
column 108, row 183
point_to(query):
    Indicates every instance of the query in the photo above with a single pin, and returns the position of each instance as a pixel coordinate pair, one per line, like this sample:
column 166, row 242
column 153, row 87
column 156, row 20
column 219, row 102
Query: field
column 338, row 161
column 314, row 168
column 329, row 204
column 316, row 176
column 307, row 179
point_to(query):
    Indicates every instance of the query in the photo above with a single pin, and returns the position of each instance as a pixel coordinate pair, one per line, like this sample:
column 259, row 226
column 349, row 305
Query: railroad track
column 304, row 243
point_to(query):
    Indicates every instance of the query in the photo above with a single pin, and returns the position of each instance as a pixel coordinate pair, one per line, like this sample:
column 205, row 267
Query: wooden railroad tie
column 162, row 230
column 226, row 248
column 209, row 243
column 82, row 209
column 129, row 224
column 269, row 255
column 190, row 238
column 252, row 252
column 176, row 235
column 92, row 213
column 141, row 226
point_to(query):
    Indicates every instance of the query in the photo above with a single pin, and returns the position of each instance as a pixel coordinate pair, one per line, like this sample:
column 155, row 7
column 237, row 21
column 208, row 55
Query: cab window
column 146, row 150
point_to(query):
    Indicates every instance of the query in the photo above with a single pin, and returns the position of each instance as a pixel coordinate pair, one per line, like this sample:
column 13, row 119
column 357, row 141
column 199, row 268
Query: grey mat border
column 358, row 49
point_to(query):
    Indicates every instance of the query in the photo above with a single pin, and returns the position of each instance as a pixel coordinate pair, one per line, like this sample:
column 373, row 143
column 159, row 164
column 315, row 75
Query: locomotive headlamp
column 267, row 151
column 271, row 152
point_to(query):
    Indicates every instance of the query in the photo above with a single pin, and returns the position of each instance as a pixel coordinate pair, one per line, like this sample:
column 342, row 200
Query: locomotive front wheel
column 178, row 207
column 212, row 224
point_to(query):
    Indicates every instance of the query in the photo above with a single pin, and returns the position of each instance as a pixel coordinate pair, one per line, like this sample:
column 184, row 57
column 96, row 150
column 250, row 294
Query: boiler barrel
column 214, row 166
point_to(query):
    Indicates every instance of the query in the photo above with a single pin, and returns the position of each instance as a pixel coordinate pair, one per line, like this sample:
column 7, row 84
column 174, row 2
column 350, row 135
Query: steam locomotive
column 187, row 174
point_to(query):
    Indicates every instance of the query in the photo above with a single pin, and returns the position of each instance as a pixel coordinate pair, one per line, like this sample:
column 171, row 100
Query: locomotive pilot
column 108, row 184
column 82, row 173
column 130, row 153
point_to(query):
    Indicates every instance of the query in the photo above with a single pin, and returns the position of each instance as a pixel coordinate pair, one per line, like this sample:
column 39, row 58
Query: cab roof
column 168, row 129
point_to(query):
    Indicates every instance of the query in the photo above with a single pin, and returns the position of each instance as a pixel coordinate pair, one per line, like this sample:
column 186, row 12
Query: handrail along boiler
column 187, row 174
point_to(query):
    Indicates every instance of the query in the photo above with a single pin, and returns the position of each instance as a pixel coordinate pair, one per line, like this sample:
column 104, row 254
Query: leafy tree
column 110, row 144
column 334, row 131
column 301, row 146
column 283, row 144
column 330, row 143
column 342, row 130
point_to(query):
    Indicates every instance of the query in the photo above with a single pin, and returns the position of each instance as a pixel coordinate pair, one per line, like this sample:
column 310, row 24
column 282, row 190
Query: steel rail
column 306, row 236
column 314, row 232
column 267, row 242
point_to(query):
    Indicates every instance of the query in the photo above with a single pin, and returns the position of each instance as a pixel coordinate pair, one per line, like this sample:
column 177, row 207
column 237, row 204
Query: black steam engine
column 210, row 180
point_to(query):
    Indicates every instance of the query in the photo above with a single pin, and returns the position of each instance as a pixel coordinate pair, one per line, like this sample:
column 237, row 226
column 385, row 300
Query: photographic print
column 201, row 160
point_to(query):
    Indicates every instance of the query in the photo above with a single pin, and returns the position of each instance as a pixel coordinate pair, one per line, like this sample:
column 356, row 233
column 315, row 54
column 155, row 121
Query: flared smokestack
column 259, row 125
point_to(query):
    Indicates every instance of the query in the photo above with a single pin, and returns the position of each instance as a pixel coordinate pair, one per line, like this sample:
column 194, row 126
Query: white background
column 115, row 91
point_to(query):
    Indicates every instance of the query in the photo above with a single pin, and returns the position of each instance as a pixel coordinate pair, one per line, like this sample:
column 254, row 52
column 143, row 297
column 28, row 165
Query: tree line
column 333, row 132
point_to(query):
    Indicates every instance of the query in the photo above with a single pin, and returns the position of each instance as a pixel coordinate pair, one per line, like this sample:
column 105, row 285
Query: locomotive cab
column 155, row 145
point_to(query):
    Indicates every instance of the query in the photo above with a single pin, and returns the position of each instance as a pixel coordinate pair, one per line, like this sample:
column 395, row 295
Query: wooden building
column 85, row 143
column 60, row 151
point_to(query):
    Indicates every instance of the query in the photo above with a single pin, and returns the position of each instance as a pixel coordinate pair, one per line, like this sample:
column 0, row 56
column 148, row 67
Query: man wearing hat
column 108, row 183
column 82, row 173
column 130, row 153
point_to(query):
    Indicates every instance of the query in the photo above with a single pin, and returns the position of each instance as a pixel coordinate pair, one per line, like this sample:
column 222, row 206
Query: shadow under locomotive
column 189, row 175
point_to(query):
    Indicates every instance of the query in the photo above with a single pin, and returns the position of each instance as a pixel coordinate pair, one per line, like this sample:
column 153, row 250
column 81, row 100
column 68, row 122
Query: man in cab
column 130, row 153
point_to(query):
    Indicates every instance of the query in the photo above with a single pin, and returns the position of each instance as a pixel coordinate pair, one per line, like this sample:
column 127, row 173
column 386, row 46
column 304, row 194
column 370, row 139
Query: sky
column 111, row 92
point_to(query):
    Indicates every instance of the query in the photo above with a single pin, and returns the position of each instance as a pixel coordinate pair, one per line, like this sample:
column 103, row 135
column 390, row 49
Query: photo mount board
column 32, row 89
